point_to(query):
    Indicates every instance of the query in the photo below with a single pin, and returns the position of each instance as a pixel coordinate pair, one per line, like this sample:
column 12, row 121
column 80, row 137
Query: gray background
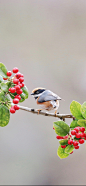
column 46, row 40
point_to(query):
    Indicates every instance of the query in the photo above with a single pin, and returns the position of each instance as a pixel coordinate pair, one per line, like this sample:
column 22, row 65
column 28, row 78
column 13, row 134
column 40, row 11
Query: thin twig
column 34, row 111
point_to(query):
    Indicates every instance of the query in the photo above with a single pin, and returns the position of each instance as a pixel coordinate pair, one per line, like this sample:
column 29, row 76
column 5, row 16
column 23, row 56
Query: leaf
column 12, row 95
column 61, row 153
column 1, row 79
column 22, row 97
column 25, row 91
column 69, row 149
column 82, row 122
column 76, row 139
column 83, row 110
column 75, row 109
column 5, row 99
column 4, row 115
column 63, row 142
column 74, row 124
column 4, row 87
column 61, row 128
column 8, row 83
column 3, row 70
column 2, row 96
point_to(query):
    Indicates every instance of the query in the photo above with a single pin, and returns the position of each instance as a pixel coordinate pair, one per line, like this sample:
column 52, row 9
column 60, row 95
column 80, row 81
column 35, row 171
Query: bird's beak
column 32, row 93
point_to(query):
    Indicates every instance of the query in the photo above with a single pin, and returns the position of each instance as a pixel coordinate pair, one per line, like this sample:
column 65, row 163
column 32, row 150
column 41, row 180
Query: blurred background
column 46, row 40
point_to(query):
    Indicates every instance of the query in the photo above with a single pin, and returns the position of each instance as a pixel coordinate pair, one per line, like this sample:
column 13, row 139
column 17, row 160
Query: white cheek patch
column 37, row 95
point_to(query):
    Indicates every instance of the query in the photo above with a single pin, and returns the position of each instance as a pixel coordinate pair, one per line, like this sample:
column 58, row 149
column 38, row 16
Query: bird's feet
column 56, row 113
column 39, row 110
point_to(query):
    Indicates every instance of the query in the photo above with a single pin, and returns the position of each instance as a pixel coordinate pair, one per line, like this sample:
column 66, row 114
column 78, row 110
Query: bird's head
column 37, row 92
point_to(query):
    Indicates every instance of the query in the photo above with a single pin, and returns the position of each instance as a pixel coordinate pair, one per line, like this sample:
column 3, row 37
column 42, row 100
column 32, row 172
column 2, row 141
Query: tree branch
column 60, row 116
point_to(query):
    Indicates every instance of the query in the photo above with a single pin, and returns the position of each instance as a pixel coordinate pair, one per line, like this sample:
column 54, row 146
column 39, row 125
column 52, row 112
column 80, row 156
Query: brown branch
column 34, row 111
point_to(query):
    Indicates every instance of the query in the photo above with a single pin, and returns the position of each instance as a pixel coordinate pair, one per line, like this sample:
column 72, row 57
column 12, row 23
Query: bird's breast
column 48, row 105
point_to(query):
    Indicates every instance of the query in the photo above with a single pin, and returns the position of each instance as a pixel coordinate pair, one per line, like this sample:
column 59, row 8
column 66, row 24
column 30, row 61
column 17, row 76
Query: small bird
column 46, row 99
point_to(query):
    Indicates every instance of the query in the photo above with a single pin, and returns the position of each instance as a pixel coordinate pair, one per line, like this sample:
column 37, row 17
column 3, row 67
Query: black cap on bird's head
column 37, row 91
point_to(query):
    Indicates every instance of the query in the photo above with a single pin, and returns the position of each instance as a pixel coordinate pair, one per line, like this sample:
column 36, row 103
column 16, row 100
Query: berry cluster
column 17, row 81
column 77, row 137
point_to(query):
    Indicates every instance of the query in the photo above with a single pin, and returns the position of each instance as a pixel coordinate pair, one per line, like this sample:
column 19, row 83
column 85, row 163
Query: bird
column 46, row 99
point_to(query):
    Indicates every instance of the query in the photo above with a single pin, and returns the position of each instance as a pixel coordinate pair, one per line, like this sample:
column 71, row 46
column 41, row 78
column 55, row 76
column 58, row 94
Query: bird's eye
column 37, row 92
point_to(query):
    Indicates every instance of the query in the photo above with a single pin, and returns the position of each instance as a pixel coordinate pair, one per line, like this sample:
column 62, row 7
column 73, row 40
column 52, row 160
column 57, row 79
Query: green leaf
column 61, row 128
column 2, row 96
column 83, row 110
column 5, row 99
column 3, row 70
column 25, row 91
column 76, row 139
column 4, row 115
column 1, row 79
column 61, row 153
column 69, row 149
column 12, row 95
column 74, row 124
column 4, row 87
column 22, row 97
column 63, row 142
column 75, row 109
column 8, row 83
column 82, row 122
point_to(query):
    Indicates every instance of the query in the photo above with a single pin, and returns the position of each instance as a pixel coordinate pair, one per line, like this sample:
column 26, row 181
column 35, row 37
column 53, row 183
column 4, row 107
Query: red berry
column 82, row 135
column 18, row 97
column 66, row 137
column 53, row 128
column 85, row 134
column 70, row 142
column 17, row 87
column 77, row 129
column 81, row 141
column 71, row 152
column 15, row 70
column 5, row 78
column 63, row 146
column 85, row 138
column 15, row 81
column 19, row 91
column 22, row 84
column 73, row 132
column 9, row 73
column 22, row 75
column 18, row 75
column 16, row 107
column 15, row 101
column 12, row 90
column 82, row 129
column 59, row 137
column 78, row 135
column 75, row 143
column 21, row 79
column 12, row 110
column 9, row 89
column 76, row 147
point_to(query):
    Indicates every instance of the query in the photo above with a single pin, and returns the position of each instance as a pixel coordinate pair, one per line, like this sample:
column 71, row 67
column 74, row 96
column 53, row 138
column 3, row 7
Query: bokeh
column 46, row 40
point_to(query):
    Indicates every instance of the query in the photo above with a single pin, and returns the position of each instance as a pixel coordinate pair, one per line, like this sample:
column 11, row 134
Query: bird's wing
column 48, row 96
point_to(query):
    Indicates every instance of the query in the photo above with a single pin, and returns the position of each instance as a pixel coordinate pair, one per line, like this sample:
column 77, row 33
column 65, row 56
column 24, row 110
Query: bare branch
column 61, row 116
